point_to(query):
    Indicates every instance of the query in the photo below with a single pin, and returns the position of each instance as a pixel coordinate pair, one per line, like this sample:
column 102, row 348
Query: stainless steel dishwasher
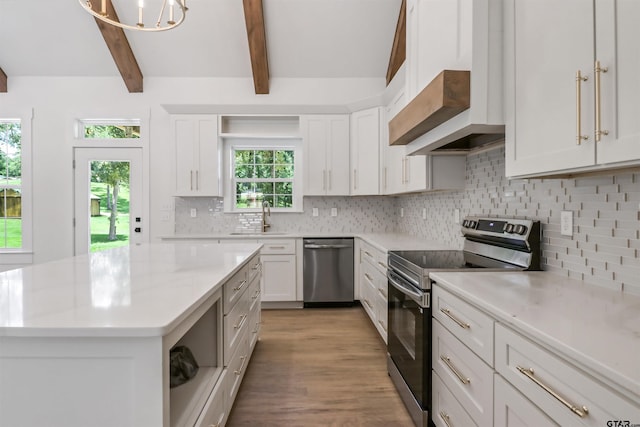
column 328, row 272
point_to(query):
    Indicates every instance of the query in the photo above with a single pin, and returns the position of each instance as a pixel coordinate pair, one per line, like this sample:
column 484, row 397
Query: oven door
column 409, row 339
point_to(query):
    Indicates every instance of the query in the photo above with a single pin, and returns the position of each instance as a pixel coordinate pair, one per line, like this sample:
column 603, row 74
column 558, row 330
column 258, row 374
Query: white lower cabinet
column 241, row 329
column 278, row 258
column 446, row 410
column 530, row 386
column 562, row 391
column 512, row 409
column 468, row 377
column 372, row 283
column 215, row 412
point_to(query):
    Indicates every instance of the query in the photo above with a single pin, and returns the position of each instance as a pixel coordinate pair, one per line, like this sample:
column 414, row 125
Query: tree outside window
column 263, row 175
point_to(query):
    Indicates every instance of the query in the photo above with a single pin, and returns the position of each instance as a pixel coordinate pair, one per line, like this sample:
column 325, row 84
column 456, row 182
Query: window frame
column 23, row 254
column 82, row 141
column 230, row 146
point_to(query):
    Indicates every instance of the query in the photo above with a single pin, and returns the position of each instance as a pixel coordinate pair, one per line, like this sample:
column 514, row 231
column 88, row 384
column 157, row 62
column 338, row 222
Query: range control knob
column 508, row 228
column 472, row 224
column 520, row 229
column 465, row 223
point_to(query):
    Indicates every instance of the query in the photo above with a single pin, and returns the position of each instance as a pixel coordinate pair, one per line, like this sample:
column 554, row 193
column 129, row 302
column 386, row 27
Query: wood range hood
column 446, row 96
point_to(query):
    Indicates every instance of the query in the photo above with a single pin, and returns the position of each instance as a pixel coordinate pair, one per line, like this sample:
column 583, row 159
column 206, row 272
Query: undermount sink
column 243, row 233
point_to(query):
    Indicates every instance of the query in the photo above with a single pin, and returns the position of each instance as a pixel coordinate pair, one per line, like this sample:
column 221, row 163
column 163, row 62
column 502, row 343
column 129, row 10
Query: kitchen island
column 85, row 341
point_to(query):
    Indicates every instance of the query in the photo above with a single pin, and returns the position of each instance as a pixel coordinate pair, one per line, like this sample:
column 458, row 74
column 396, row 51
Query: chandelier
column 168, row 9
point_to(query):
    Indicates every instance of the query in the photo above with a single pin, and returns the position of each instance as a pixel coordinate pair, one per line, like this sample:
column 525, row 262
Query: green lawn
column 100, row 224
column 14, row 233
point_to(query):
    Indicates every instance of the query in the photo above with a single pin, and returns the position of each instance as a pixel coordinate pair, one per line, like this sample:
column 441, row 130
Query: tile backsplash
column 604, row 248
column 354, row 214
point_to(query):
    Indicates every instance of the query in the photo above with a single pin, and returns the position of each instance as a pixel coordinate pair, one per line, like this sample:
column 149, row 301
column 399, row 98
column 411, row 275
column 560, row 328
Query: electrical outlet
column 566, row 223
column 334, row 211
column 314, row 211
column 424, row 213
column 194, row 213
column 456, row 216
column 401, row 212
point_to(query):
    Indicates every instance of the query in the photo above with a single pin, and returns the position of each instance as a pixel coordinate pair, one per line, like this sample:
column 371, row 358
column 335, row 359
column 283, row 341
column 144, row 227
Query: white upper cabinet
column 197, row 155
column 617, row 38
column 365, row 152
column 562, row 115
column 326, row 154
column 457, row 35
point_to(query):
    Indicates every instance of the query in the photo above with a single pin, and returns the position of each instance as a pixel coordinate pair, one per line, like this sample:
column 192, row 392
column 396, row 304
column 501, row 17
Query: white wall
column 57, row 102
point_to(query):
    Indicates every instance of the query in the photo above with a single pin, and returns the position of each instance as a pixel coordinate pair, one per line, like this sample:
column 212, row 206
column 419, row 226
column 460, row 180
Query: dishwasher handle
column 314, row 246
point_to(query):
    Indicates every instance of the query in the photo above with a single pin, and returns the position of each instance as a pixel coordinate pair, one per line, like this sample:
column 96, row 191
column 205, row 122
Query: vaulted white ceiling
column 305, row 38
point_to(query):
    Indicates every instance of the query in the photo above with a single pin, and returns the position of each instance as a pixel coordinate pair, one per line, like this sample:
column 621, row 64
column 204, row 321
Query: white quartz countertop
column 142, row 290
column 383, row 241
column 596, row 328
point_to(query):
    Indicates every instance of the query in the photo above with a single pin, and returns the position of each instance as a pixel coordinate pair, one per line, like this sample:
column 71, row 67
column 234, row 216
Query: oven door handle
column 405, row 289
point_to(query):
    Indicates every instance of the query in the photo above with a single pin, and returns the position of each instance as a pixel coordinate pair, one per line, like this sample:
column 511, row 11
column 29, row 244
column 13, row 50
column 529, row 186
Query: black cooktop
column 437, row 259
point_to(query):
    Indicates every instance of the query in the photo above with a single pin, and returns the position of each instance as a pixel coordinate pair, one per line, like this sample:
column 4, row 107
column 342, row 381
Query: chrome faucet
column 265, row 206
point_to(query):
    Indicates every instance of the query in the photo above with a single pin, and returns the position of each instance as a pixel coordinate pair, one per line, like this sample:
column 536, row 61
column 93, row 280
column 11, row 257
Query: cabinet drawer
column 254, row 268
column 215, row 410
column 447, row 411
column 235, row 324
column 465, row 374
column 513, row 409
column 254, row 326
column 374, row 256
column 381, row 316
column 237, row 368
column 368, row 291
column 467, row 323
column 276, row 247
column 234, row 288
column 253, row 294
column 555, row 385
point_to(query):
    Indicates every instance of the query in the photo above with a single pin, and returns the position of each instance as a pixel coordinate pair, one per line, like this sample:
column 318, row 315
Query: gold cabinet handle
column 368, row 303
column 237, row 288
column 445, row 418
column 579, row 79
column 599, row 131
column 383, row 292
column 462, row 378
column 384, row 328
column 383, row 265
column 239, row 371
column 368, row 277
column 460, row 323
column 241, row 322
column 581, row 412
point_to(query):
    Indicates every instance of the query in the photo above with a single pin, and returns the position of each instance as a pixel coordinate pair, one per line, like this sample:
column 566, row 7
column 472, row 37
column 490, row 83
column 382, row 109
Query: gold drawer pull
column 581, row 412
column 277, row 247
column 239, row 371
column 383, row 292
column 460, row 323
column 579, row 79
column 369, row 278
column 599, row 131
column 368, row 254
column 368, row 303
column 462, row 378
column 237, row 288
column 383, row 265
column 445, row 418
column 241, row 322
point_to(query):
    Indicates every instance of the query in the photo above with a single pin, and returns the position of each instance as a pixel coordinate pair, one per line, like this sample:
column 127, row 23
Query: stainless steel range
column 490, row 244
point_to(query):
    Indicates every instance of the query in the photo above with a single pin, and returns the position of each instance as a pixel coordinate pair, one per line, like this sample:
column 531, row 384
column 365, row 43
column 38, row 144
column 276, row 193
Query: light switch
column 334, row 211
column 314, row 211
column 194, row 213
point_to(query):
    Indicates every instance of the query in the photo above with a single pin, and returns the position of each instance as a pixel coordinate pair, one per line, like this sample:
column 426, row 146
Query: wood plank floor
column 318, row 367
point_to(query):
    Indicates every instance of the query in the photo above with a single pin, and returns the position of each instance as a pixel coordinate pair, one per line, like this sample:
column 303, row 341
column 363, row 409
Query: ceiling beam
column 3, row 81
column 399, row 49
column 120, row 50
column 254, row 19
